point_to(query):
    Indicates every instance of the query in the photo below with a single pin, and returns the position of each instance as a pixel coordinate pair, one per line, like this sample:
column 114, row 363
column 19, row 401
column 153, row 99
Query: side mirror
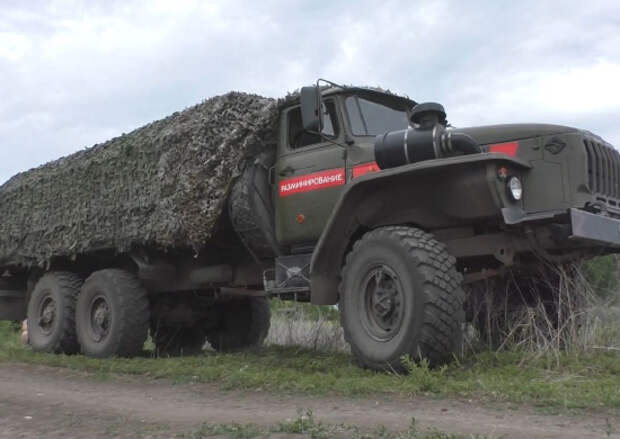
column 311, row 116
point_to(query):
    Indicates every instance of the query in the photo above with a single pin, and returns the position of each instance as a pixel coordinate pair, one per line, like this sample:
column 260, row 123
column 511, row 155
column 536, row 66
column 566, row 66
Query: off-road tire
column 253, row 228
column 62, row 288
column 243, row 323
column 126, row 300
column 174, row 341
column 431, row 301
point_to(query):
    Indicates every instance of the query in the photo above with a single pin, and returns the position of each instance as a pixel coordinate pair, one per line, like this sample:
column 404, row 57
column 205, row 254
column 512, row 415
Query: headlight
column 515, row 188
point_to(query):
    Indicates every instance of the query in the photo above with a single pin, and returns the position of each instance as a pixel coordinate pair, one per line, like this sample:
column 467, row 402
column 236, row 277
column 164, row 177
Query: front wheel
column 400, row 295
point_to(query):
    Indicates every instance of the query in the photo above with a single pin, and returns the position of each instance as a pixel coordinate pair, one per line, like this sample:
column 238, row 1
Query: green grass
column 307, row 426
column 313, row 313
column 569, row 382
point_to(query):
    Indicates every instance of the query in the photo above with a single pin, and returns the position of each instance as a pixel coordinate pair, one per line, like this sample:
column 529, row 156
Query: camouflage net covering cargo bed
column 162, row 185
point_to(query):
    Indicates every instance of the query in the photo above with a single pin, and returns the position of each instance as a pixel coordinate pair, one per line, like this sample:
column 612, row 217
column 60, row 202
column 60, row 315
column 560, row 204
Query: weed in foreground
column 306, row 425
column 233, row 431
column 420, row 373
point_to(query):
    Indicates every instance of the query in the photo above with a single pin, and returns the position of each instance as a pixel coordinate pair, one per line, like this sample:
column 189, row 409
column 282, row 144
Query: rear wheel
column 112, row 314
column 243, row 323
column 400, row 295
column 51, row 313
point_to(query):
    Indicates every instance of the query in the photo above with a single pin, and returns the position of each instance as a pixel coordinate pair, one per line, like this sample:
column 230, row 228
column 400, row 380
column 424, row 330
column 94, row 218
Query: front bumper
column 585, row 226
column 593, row 227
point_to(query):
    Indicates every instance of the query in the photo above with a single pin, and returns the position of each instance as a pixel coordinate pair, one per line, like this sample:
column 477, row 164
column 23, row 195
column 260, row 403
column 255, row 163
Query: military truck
column 369, row 201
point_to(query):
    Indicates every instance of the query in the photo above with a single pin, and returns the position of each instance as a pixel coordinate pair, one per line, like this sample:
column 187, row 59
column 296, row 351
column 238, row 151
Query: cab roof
column 372, row 93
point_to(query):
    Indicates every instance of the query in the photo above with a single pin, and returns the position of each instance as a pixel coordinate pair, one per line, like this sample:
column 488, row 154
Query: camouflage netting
column 162, row 185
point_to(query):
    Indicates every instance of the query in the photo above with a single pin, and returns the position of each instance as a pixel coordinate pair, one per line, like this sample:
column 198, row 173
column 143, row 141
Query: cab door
column 310, row 175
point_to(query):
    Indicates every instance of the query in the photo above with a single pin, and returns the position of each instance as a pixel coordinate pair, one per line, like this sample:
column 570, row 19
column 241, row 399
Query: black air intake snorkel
column 428, row 140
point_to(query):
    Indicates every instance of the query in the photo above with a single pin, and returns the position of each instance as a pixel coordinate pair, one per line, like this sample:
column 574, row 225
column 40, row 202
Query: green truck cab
column 371, row 202
column 456, row 206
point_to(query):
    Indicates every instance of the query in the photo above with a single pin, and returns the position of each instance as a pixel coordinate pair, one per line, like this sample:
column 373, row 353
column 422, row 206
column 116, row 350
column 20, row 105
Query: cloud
column 75, row 73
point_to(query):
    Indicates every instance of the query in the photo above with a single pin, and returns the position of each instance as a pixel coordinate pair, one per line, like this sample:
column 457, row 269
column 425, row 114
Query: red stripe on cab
column 365, row 168
column 508, row 148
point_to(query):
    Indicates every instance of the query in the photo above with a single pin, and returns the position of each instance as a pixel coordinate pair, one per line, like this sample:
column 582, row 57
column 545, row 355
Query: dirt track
column 38, row 401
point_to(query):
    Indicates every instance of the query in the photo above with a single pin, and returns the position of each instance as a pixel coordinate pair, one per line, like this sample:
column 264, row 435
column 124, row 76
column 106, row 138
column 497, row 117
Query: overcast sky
column 75, row 73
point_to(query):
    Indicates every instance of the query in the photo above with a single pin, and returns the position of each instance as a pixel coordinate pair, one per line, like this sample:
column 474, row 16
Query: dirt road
column 38, row 401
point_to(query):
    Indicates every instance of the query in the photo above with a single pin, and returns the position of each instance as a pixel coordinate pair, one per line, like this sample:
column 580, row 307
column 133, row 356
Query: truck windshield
column 370, row 118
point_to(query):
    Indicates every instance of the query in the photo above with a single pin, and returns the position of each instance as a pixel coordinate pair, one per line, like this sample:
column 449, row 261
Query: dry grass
column 305, row 326
column 556, row 311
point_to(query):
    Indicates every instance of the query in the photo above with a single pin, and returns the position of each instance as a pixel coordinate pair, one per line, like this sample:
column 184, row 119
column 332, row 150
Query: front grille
column 603, row 168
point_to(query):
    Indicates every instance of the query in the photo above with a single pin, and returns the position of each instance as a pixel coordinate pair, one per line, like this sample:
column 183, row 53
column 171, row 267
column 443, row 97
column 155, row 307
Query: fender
column 430, row 194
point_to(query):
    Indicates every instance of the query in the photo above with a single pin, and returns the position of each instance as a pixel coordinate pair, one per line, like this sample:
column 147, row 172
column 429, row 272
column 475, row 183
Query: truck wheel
column 112, row 314
column 172, row 341
column 51, row 313
column 250, row 211
column 400, row 295
column 244, row 323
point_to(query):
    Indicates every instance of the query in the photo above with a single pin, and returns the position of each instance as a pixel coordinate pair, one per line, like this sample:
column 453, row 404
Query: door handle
column 286, row 171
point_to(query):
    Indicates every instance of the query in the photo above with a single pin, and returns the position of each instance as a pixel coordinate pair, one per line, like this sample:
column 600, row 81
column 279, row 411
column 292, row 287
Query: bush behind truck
column 334, row 195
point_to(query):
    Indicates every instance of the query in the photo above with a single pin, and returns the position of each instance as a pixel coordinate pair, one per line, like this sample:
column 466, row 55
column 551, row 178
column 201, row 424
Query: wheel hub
column 383, row 302
column 100, row 318
column 384, row 299
column 47, row 315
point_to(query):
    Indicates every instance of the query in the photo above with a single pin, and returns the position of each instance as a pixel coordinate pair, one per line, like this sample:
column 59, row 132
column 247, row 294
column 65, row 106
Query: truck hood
column 485, row 135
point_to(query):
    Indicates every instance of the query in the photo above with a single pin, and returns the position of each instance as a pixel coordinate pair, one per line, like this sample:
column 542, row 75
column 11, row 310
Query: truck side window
column 298, row 138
